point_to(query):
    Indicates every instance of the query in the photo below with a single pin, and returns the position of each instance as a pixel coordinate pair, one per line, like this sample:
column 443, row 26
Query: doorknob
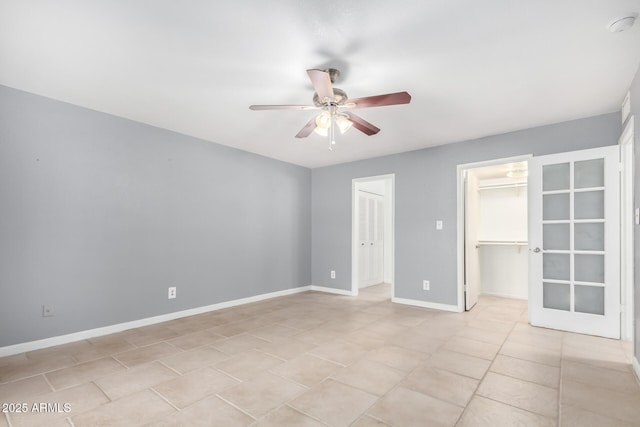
column 536, row 250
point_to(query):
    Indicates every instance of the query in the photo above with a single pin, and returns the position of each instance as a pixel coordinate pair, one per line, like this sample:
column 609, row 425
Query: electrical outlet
column 426, row 285
column 333, row 274
column 172, row 292
column 439, row 224
column 47, row 311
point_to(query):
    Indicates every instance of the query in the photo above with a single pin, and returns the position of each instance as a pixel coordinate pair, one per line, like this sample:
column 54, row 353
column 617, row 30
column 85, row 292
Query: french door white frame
column 461, row 170
column 626, row 230
column 389, row 219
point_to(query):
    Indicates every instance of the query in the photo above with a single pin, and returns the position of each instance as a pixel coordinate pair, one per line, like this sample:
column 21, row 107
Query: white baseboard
column 373, row 284
column 426, row 304
column 498, row 294
column 332, row 290
column 636, row 368
column 106, row 330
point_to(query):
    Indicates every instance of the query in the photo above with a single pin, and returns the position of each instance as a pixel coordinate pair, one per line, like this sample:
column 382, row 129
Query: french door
column 574, row 241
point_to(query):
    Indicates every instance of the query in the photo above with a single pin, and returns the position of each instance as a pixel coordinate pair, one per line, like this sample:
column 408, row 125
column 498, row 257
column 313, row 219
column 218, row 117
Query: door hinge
column 465, row 287
column 620, row 166
column 621, row 308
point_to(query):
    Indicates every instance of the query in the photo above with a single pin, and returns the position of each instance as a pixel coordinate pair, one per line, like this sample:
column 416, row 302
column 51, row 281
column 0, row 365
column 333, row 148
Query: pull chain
column 332, row 126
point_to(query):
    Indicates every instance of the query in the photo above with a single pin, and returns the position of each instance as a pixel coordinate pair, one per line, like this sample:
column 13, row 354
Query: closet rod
column 503, row 242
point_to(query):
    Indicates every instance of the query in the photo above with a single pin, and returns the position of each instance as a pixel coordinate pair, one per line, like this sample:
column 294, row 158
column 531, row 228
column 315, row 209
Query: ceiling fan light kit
column 332, row 101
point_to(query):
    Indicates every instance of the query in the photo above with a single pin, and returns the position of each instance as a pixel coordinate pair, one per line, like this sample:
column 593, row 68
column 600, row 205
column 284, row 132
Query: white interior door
column 471, row 233
column 574, row 241
column 378, row 241
column 371, row 236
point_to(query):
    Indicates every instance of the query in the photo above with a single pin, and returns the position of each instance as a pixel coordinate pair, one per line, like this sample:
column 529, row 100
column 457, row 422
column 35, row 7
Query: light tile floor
column 315, row 359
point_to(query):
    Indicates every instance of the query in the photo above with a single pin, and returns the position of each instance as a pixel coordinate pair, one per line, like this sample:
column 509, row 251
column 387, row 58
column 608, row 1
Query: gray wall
column 635, row 110
column 99, row 215
column 426, row 191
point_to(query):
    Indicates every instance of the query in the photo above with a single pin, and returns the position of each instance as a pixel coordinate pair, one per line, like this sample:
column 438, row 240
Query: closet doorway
column 495, row 230
column 372, row 232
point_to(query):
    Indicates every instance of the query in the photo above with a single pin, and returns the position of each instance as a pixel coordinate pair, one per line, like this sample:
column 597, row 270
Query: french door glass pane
column 555, row 266
column 589, row 173
column 589, row 268
column 556, row 296
column 589, row 236
column 589, row 299
column 555, row 207
column 555, row 177
column 589, row 205
column 555, row 237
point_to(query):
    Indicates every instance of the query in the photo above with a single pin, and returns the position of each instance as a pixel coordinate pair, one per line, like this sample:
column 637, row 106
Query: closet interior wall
column 503, row 250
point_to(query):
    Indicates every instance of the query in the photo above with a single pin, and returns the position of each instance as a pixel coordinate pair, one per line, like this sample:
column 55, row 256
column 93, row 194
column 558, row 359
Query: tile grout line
column 153, row 390
column 359, row 415
column 408, row 373
column 289, row 379
column 287, row 404
column 167, row 366
column 101, row 390
column 475, row 392
column 235, row 406
column 53, row 390
column 532, row 361
column 325, row 359
column 240, row 380
column 525, row 380
column 6, row 417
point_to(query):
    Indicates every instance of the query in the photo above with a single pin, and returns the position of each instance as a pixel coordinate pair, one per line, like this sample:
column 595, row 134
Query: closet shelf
column 502, row 243
column 497, row 186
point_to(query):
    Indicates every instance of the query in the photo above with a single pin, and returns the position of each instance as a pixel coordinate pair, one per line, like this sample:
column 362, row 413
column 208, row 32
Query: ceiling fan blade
column 362, row 125
column 380, row 100
column 307, row 129
column 283, row 107
column 321, row 83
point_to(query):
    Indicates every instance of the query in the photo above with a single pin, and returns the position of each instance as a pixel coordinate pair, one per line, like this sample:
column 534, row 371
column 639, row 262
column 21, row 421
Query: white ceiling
column 474, row 68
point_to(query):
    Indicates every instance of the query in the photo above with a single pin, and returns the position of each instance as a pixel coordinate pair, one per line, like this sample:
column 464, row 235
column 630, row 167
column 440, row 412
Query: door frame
column 461, row 171
column 627, row 224
column 389, row 223
column 471, row 278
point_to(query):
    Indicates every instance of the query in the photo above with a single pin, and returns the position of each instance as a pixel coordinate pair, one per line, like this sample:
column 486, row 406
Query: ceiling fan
column 336, row 106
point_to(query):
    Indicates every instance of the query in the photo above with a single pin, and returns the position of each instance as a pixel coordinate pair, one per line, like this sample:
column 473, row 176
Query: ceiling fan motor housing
column 339, row 98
